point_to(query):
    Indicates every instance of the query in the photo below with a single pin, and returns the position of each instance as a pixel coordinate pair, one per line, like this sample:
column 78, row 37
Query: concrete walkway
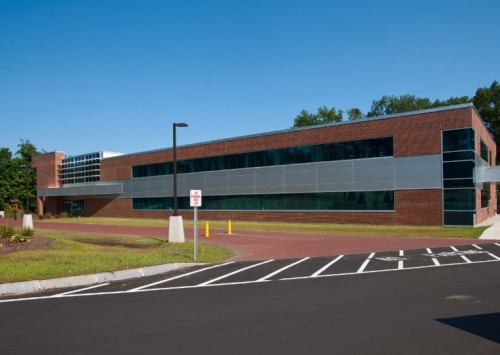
column 492, row 232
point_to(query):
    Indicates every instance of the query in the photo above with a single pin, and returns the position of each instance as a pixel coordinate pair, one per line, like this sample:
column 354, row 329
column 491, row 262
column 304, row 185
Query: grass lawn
column 72, row 254
column 336, row 229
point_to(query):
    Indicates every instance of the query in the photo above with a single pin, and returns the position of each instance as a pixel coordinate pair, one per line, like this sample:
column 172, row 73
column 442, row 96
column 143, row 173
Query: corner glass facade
column 459, row 194
column 80, row 169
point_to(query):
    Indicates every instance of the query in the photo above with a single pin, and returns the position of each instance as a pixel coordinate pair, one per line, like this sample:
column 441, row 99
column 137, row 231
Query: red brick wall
column 46, row 166
column 413, row 207
column 482, row 134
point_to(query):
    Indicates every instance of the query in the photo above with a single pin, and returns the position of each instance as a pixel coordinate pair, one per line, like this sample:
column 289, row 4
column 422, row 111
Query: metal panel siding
column 241, row 181
column 300, row 177
column 269, row 177
column 327, row 176
column 422, row 172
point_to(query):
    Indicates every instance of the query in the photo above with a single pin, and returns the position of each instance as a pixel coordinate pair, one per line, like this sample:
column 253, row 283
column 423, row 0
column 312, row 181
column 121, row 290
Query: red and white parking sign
column 195, row 198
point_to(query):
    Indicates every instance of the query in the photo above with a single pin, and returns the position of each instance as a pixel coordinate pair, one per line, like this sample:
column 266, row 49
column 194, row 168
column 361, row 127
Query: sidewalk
column 494, row 231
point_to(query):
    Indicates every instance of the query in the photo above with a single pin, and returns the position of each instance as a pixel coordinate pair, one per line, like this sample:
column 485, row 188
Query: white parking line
column 493, row 256
column 234, row 272
column 365, row 264
column 477, row 246
column 434, row 260
column 400, row 262
column 327, row 266
column 462, row 256
column 178, row 277
column 79, row 290
column 497, row 244
column 282, row 269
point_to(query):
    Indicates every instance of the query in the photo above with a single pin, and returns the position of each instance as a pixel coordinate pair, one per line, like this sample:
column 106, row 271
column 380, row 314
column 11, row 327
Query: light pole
column 27, row 218
column 175, row 225
column 175, row 125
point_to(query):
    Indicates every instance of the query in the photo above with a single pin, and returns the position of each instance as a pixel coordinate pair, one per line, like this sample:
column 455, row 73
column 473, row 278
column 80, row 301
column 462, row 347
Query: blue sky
column 88, row 75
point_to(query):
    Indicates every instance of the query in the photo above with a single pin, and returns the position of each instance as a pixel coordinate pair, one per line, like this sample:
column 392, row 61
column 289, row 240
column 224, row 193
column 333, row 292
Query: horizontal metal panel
column 374, row 173
column 374, row 186
column 269, row 177
column 300, row 188
column 300, row 177
column 338, row 175
column 421, row 172
column 335, row 187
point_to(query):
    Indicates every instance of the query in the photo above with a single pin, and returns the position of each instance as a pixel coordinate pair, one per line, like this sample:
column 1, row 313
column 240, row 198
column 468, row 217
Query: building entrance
column 74, row 207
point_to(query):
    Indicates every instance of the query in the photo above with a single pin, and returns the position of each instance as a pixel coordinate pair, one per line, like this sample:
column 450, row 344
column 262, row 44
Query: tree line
column 17, row 178
column 486, row 100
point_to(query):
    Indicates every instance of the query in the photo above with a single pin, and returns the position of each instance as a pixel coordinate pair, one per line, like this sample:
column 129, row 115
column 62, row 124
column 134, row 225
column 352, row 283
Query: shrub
column 66, row 215
column 25, row 232
column 6, row 231
column 19, row 239
column 48, row 215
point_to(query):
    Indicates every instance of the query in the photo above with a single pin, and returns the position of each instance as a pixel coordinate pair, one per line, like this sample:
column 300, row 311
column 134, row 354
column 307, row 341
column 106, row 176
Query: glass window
column 458, row 218
column 457, row 170
column 347, row 201
column 458, row 139
column 484, row 151
column 485, row 198
column 454, row 183
column 459, row 199
column 463, row 155
column 371, row 148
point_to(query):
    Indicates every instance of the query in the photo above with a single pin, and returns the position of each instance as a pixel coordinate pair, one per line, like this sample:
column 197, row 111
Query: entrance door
column 73, row 207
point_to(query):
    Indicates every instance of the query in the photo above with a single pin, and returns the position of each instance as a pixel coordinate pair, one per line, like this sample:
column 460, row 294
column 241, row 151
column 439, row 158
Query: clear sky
column 88, row 75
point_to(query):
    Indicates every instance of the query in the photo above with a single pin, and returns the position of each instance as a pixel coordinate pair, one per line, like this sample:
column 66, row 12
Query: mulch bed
column 36, row 242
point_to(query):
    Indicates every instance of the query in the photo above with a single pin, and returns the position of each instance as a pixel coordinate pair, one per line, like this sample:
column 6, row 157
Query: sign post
column 195, row 201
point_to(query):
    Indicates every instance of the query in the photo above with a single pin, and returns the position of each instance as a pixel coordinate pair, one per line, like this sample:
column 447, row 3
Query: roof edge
column 366, row 119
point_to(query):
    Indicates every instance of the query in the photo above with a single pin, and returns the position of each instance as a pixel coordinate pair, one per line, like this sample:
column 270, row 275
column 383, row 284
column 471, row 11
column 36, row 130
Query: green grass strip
column 74, row 254
column 333, row 229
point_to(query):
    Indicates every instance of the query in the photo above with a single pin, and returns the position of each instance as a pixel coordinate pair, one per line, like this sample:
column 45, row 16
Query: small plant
column 47, row 215
column 66, row 215
column 6, row 231
column 19, row 239
column 25, row 232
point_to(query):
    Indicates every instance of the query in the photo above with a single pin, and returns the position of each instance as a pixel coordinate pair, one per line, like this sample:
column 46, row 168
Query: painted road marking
column 80, row 290
column 461, row 255
column 400, row 262
column 234, row 273
column 477, row 246
column 179, row 276
column 434, row 260
column 327, row 266
column 282, row 269
column 365, row 264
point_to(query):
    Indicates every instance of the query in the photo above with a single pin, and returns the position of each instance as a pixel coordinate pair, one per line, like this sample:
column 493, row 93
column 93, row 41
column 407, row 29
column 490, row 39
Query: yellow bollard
column 207, row 231
column 229, row 227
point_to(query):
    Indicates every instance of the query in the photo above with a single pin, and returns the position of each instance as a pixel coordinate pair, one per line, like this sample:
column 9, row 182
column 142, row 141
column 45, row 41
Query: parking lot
column 247, row 272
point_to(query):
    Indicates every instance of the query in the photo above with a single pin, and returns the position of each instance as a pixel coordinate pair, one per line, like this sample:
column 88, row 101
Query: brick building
column 429, row 167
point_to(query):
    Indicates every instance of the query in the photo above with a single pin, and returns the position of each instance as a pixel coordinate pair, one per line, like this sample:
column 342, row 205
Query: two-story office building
column 430, row 167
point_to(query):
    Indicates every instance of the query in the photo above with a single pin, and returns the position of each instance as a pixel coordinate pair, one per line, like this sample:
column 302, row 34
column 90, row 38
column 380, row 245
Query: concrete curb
column 19, row 288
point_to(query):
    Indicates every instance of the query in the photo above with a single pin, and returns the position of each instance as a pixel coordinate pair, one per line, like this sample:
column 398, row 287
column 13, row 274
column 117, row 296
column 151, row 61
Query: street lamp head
column 180, row 124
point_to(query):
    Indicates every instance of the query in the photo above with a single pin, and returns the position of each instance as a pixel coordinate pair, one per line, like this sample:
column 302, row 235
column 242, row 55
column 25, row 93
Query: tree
column 354, row 113
column 388, row 105
column 323, row 116
column 26, row 150
column 17, row 177
column 487, row 102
